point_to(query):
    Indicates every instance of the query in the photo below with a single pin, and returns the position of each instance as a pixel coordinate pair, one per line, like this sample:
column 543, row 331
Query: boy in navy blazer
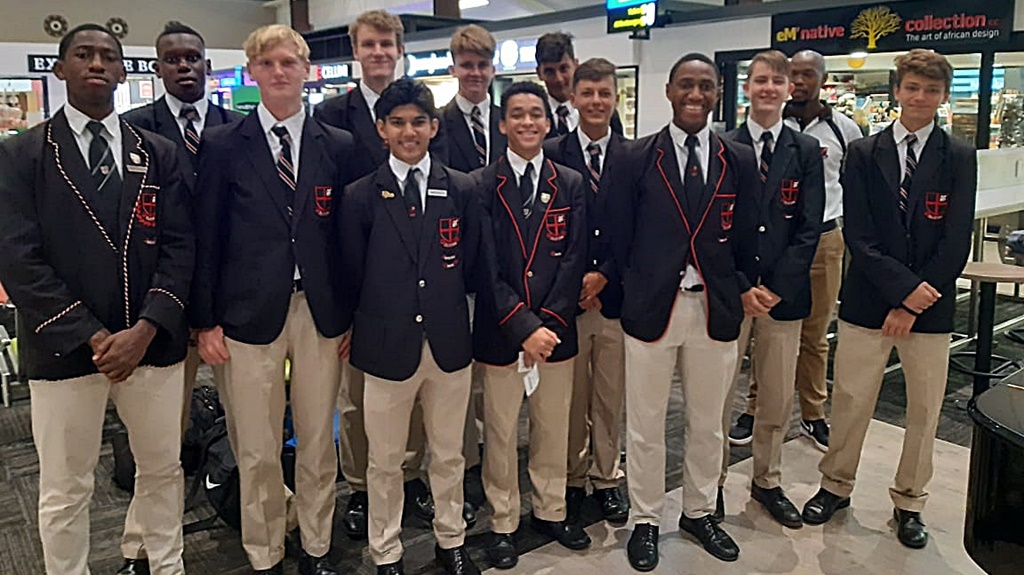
column 412, row 232
column 908, row 204
column 535, row 248
column 778, row 265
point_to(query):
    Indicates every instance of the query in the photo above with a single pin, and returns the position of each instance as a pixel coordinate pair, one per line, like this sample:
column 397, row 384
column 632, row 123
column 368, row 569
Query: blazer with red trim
column 534, row 267
column 69, row 276
column 888, row 259
column 653, row 236
column 789, row 222
column 411, row 278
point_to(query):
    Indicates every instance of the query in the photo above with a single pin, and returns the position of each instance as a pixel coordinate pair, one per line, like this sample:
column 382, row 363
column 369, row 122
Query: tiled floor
column 859, row 541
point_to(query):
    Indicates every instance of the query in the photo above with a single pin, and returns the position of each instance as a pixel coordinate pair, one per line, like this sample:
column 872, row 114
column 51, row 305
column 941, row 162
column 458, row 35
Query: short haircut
column 524, row 88
column 65, row 42
column 175, row 27
column 402, row 92
column 775, row 60
column 553, row 46
column 692, row 57
column 381, row 20
column 927, row 63
column 266, row 38
column 816, row 57
column 473, row 39
column 594, row 70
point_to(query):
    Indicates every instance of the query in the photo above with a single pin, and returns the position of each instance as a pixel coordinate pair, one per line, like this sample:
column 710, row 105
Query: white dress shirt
column 175, row 105
column 832, row 150
column 294, row 126
column 83, row 137
column 371, row 98
column 602, row 143
column 692, row 277
column 899, row 133
column 401, row 171
column 573, row 119
column 756, row 133
column 518, row 164
column 466, row 107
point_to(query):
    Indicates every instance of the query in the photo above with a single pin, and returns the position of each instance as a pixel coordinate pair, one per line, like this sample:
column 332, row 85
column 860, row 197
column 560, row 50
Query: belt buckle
column 296, row 285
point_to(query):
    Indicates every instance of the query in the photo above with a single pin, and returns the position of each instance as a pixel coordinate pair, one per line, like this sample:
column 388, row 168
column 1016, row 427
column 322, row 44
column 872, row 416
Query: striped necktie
column 191, row 116
column 563, row 120
column 284, row 159
column 908, row 174
column 594, row 165
column 479, row 135
column 766, row 156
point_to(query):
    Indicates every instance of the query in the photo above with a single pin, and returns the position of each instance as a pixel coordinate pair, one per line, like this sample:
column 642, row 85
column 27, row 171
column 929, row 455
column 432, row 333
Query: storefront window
column 1007, row 122
column 22, row 104
column 861, row 88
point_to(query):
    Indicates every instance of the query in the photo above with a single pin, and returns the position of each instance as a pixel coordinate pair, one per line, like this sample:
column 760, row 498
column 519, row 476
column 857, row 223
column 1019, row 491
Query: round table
column 988, row 274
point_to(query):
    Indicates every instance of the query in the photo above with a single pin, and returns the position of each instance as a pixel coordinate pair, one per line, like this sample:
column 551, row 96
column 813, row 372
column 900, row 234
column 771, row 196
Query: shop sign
column 335, row 71
column 42, row 63
column 629, row 15
column 510, row 56
column 894, row 26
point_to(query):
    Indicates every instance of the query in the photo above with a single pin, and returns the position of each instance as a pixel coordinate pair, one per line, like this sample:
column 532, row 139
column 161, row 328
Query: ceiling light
column 858, row 54
column 467, row 4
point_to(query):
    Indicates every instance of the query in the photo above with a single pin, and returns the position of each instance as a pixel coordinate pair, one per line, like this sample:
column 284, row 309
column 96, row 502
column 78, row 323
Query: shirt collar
column 899, row 132
column 466, row 107
column 757, row 130
column 586, row 141
column 292, row 123
column 555, row 104
column 791, row 111
column 679, row 136
column 370, row 96
column 518, row 162
column 78, row 121
column 175, row 105
column 401, row 169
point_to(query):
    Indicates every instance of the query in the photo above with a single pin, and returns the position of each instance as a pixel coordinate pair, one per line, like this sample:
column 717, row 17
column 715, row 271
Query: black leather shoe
column 456, row 561
column 574, row 497
column 642, row 548
column 275, row 570
column 823, row 506
column 309, row 565
column 569, row 535
column 715, row 541
column 778, row 506
column 502, row 552
column 469, row 514
column 719, row 515
column 418, row 500
column 391, row 569
column 614, row 506
column 134, row 567
column 354, row 521
column 911, row 530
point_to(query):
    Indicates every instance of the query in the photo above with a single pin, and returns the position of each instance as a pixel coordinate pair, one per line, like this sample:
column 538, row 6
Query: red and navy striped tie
column 908, row 174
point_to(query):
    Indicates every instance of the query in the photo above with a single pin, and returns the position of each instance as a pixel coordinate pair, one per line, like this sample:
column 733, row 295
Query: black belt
column 695, row 289
column 830, row 225
column 297, row 285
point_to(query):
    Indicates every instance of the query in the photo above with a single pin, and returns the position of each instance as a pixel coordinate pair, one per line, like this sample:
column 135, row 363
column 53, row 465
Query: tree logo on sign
column 875, row 23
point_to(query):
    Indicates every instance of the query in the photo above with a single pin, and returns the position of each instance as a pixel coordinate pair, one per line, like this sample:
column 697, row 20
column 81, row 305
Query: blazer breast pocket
column 935, row 205
column 556, row 224
column 789, row 196
column 145, row 207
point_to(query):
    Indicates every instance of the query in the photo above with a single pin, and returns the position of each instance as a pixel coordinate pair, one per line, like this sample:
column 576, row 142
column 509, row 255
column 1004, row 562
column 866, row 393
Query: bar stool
column 988, row 274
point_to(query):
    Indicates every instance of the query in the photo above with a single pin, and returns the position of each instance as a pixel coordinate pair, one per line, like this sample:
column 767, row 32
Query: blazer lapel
column 545, row 191
column 508, row 193
column 785, row 151
column 498, row 141
column 311, row 162
column 888, row 160
column 929, row 159
column 135, row 163
column 716, row 165
column 613, row 147
column 394, row 204
column 214, row 115
column 165, row 124
column 668, row 167
column 365, row 127
column 259, row 156
column 436, row 207
column 460, row 134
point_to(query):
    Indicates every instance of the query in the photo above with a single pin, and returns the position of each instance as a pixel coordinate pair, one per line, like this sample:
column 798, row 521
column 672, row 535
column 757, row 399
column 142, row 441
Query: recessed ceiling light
column 467, row 4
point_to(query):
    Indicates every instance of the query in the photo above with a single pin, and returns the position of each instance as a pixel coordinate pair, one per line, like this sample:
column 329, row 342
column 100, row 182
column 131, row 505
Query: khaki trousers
column 67, row 425
column 549, row 440
column 812, row 362
column 254, row 399
column 472, row 437
column 773, row 363
column 598, row 395
column 707, row 367
column 389, row 406
column 860, row 365
column 352, row 445
column 132, row 544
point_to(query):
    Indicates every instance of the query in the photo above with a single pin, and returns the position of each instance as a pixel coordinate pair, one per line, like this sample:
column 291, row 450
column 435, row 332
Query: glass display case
column 22, row 104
